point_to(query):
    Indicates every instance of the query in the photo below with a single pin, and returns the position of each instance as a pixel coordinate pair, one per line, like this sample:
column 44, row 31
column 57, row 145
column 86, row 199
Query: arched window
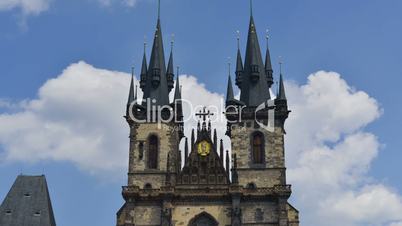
column 147, row 186
column 257, row 143
column 251, row 186
column 152, row 152
column 203, row 219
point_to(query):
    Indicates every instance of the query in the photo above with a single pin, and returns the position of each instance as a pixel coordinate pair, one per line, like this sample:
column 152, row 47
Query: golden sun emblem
column 204, row 147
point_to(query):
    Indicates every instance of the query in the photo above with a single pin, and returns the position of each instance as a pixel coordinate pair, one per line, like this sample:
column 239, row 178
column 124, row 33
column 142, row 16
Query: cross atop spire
column 251, row 7
column 204, row 114
column 159, row 9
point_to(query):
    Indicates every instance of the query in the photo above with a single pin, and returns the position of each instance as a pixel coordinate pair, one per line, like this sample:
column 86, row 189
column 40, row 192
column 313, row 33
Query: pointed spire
column 186, row 150
column 254, row 88
column 215, row 140
column 281, row 93
column 180, row 162
column 192, row 140
column 131, row 95
column 268, row 65
column 229, row 92
column 227, row 161
column 170, row 69
column 221, row 148
column 177, row 101
column 156, row 87
column 177, row 92
column 239, row 63
column 143, row 75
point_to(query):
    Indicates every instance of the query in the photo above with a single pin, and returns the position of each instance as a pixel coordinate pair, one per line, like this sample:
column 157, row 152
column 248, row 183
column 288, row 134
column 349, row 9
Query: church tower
column 256, row 129
column 205, row 185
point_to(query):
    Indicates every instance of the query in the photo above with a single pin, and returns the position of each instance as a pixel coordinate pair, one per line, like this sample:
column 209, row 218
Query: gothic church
column 204, row 185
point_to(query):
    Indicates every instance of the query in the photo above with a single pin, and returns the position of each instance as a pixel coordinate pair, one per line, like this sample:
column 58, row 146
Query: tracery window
column 258, row 148
column 153, row 152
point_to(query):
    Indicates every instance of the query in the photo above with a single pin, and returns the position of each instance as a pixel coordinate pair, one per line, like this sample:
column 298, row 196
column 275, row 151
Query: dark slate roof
column 254, row 93
column 229, row 93
column 281, row 93
column 177, row 92
column 144, row 68
column 268, row 67
column 27, row 203
column 160, row 92
column 131, row 94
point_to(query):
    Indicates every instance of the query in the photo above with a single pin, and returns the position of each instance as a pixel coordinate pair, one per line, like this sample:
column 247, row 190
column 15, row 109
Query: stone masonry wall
column 268, row 174
column 168, row 143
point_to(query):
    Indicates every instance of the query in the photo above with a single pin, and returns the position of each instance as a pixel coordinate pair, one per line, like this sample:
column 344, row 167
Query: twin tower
column 204, row 185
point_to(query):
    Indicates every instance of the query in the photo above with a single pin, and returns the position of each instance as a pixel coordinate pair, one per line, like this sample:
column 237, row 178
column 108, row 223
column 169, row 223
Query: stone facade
column 204, row 185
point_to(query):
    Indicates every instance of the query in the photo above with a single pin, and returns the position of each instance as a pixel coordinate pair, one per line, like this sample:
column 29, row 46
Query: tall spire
column 143, row 76
column 131, row 94
column 281, row 92
column 170, row 69
column 156, row 87
column 254, row 88
column 186, row 150
column 221, row 148
column 229, row 93
column 239, row 63
column 227, row 162
column 192, row 140
column 215, row 140
column 178, row 106
column 268, row 65
column 177, row 91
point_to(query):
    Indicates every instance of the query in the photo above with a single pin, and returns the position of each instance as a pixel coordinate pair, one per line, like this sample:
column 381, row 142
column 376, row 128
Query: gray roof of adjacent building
column 27, row 203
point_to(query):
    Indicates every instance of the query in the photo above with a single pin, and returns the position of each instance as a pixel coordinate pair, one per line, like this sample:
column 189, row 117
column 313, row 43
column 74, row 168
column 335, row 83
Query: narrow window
column 148, row 186
column 251, row 186
column 258, row 148
column 153, row 152
column 141, row 150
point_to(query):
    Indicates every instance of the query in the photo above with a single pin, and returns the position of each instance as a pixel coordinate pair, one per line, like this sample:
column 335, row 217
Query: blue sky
column 358, row 39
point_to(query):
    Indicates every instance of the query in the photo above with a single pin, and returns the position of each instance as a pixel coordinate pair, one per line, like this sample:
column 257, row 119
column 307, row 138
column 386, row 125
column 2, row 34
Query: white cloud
column 77, row 118
column 329, row 155
column 27, row 7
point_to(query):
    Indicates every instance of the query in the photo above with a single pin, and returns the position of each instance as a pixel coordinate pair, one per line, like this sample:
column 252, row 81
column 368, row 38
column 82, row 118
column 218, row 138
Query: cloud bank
column 77, row 117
